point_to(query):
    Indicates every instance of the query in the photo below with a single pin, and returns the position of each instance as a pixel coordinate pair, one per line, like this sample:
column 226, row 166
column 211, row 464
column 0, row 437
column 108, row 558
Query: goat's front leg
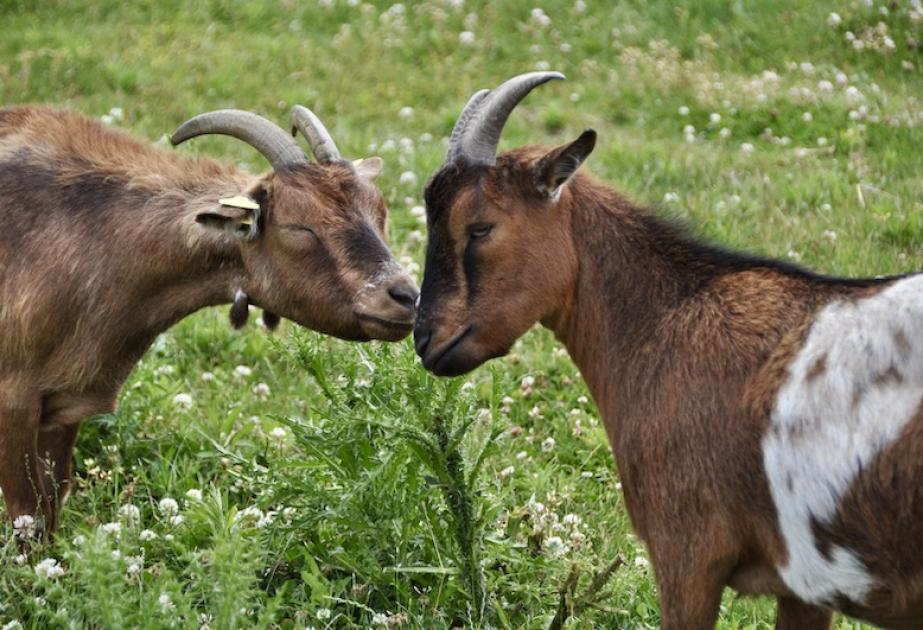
column 20, row 474
column 793, row 614
column 691, row 574
column 689, row 599
column 56, row 451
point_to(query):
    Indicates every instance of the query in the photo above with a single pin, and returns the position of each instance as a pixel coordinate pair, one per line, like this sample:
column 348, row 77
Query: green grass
column 361, row 490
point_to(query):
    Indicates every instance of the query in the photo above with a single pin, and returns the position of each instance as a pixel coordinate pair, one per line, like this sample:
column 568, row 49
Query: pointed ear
column 239, row 215
column 559, row 165
column 369, row 168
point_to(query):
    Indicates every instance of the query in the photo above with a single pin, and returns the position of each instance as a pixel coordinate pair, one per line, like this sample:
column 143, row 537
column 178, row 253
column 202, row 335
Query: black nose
column 405, row 295
column 421, row 339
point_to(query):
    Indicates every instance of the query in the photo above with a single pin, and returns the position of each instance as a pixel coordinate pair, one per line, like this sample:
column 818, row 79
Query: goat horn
column 463, row 119
column 322, row 145
column 478, row 139
column 264, row 136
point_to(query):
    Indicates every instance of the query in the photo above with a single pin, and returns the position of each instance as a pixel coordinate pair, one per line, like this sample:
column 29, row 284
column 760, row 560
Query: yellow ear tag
column 239, row 201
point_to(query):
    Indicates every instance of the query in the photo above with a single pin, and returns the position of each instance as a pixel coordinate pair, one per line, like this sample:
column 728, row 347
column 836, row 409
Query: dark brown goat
column 108, row 241
column 766, row 421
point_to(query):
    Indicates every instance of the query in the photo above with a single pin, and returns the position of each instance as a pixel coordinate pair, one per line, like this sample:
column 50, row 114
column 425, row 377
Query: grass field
column 294, row 481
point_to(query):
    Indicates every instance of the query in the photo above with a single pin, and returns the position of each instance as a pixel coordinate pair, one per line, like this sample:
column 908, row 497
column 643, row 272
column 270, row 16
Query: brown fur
column 683, row 346
column 107, row 241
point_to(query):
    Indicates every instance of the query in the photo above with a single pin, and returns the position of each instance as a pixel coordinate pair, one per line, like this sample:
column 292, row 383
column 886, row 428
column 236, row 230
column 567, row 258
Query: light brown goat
column 108, row 241
column 766, row 421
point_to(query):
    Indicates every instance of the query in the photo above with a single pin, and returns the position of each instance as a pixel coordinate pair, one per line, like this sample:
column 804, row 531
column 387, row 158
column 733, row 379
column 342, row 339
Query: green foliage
column 353, row 489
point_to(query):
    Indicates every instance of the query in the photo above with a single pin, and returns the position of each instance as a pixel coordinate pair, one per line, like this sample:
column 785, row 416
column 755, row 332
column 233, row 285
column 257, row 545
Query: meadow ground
column 294, row 481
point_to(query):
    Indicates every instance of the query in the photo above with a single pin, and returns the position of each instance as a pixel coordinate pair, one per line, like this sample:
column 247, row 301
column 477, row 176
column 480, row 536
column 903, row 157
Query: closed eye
column 299, row 228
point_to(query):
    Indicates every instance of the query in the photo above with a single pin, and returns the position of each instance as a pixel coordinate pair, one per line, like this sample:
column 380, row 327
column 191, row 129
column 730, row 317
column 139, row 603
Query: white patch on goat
column 827, row 427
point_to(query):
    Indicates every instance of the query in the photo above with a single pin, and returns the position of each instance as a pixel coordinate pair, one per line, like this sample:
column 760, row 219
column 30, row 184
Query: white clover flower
column 78, row 540
column 540, row 18
column 408, row 178
column 580, row 6
column 587, row 474
column 572, row 519
column 507, row 472
column 323, row 614
column 746, row 148
column 688, row 130
column 242, row 371
column 641, row 561
column 548, row 444
column 725, row 132
column 834, row 20
column 147, row 535
column 853, row 95
column 714, row 118
column 466, row 38
column 821, row 142
column 183, row 401
column 807, row 67
column 208, row 377
column 49, row 569
column 168, row 506
column 117, row 113
column 418, row 211
column 535, row 412
column 164, row 370
column 825, row 86
column 582, row 399
column 380, row 619
column 830, row 234
column 107, row 119
column 261, row 390
column 406, row 112
column 194, row 494
column 555, row 546
column 279, row 434
column 521, row 455
column 542, row 65
column 24, row 526
column 683, row 110
column 807, row 117
column 670, row 197
column 111, row 529
column 12, row 625
column 248, row 515
column 165, row 602
column 177, row 519
column 135, row 565
column 130, row 513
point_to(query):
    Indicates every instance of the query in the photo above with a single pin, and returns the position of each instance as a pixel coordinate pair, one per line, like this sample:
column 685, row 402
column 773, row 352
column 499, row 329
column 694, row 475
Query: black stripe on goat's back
column 33, row 192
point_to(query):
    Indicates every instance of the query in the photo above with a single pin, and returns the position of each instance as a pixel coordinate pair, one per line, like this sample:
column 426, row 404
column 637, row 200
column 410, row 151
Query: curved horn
column 462, row 123
column 322, row 145
column 264, row 136
column 479, row 139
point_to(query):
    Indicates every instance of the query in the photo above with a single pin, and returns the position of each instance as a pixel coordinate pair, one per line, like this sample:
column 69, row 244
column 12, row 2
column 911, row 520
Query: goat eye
column 479, row 230
column 302, row 232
